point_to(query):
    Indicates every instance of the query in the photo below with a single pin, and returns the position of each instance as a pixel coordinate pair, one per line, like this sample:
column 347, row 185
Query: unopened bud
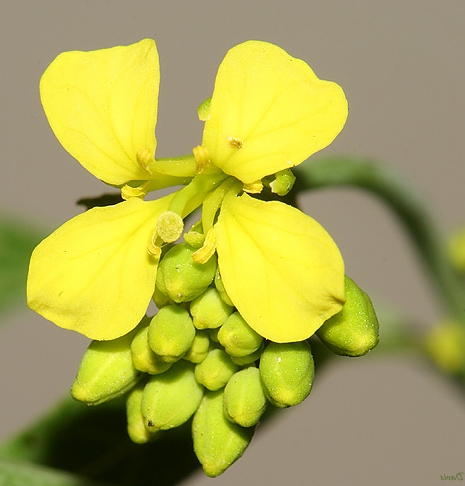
column 171, row 398
column 287, row 371
column 143, row 357
column 137, row 431
column 353, row 331
column 199, row 349
column 209, row 310
column 180, row 278
column 217, row 441
column 220, row 287
column 244, row 397
column 106, row 371
column 237, row 337
column 171, row 332
column 215, row 370
column 249, row 358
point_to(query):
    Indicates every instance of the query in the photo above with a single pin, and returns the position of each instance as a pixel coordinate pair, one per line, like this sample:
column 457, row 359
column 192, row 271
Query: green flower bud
column 171, row 398
column 143, row 357
column 215, row 370
column 213, row 333
column 249, row 358
column 237, row 337
column 136, row 422
column 171, row 333
column 244, row 397
column 354, row 330
column 199, row 349
column 220, row 287
column 217, row 441
column 180, row 278
column 106, row 371
column 160, row 298
column 209, row 310
column 287, row 371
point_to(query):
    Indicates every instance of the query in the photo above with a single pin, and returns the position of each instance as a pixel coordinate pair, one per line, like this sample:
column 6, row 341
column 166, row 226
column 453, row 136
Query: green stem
column 408, row 207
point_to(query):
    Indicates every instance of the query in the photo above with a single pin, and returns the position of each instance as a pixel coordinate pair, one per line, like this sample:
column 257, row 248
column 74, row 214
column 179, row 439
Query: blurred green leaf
column 14, row 473
column 17, row 240
column 92, row 442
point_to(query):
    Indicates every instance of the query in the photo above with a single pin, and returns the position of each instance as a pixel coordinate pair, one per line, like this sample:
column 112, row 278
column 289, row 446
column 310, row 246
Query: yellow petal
column 102, row 107
column 269, row 112
column 280, row 267
column 93, row 274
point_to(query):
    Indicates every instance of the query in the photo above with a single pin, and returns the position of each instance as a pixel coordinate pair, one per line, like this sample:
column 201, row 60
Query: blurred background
column 374, row 420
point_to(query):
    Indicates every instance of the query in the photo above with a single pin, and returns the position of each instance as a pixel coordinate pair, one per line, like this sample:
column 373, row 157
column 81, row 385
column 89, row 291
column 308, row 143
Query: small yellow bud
column 106, row 371
column 171, row 398
column 353, row 331
column 287, row 371
column 237, row 337
column 445, row 345
column 209, row 310
column 215, row 370
column 171, row 333
column 217, row 441
column 180, row 278
column 244, row 397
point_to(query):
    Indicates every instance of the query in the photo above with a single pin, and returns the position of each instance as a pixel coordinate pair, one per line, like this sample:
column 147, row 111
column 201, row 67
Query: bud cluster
column 198, row 358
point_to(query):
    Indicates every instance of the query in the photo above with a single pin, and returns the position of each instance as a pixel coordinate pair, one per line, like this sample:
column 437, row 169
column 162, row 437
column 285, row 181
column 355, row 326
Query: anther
column 202, row 255
column 141, row 191
column 253, row 187
column 202, row 157
column 144, row 158
column 153, row 248
column 235, row 142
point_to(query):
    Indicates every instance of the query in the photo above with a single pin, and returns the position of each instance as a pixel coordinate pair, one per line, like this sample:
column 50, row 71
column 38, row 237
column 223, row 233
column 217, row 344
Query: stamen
column 152, row 247
column 253, row 187
column 144, row 158
column 203, row 254
column 169, row 226
column 236, row 142
column 141, row 191
column 202, row 157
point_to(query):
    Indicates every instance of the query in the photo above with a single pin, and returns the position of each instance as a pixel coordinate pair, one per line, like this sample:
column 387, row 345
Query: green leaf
column 17, row 240
column 92, row 441
column 14, row 473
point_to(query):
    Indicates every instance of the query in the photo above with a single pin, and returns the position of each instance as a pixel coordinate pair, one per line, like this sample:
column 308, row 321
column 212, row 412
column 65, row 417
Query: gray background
column 376, row 420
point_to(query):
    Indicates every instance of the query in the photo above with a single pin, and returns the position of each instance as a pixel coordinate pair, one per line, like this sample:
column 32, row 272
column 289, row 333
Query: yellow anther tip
column 202, row 157
column 144, row 158
column 253, row 188
column 127, row 191
column 202, row 255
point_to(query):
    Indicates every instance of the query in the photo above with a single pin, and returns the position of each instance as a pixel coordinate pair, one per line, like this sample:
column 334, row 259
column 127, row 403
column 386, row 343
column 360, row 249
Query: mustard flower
column 268, row 113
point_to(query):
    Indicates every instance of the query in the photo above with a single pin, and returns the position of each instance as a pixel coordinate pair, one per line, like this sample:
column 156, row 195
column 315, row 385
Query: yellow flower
column 94, row 274
column 268, row 112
